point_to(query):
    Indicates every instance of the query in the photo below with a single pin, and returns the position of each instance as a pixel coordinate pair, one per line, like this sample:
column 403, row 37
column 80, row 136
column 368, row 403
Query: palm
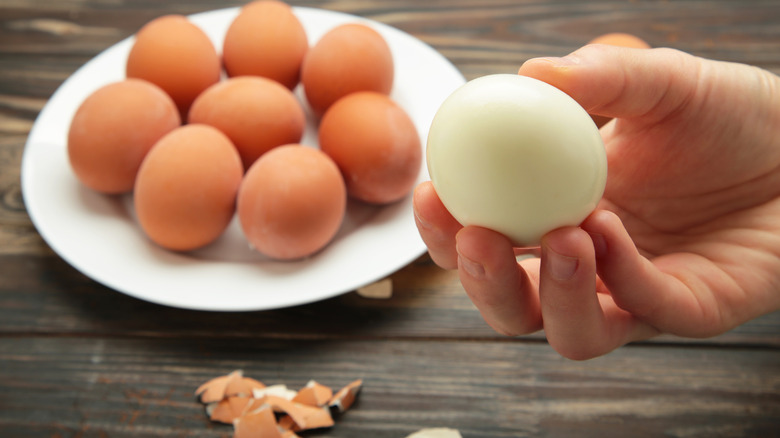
column 689, row 195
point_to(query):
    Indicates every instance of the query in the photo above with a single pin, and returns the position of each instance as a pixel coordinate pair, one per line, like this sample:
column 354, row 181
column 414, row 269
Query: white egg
column 516, row 155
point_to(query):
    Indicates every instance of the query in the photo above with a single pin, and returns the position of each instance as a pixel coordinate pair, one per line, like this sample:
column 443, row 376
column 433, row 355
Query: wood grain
column 427, row 303
column 80, row 360
column 485, row 389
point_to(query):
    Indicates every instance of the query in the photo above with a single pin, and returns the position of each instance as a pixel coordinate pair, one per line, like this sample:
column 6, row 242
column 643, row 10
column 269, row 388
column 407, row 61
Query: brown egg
column 349, row 58
column 292, row 202
column 185, row 193
column 621, row 40
column 113, row 129
column 375, row 144
column 266, row 39
column 257, row 114
column 178, row 56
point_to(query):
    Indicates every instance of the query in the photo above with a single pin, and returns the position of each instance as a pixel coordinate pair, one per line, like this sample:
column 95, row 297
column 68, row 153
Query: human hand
column 686, row 239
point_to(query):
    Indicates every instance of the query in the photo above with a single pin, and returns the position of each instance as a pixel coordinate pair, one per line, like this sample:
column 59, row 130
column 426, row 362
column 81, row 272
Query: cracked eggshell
column 314, row 394
column 436, row 432
column 279, row 390
column 345, row 397
column 213, row 390
column 516, row 155
column 304, row 417
column 244, row 386
column 260, row 422
column 228, row 409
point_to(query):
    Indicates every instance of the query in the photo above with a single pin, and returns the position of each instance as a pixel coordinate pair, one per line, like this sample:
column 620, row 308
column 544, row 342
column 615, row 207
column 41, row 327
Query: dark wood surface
column 80, row 360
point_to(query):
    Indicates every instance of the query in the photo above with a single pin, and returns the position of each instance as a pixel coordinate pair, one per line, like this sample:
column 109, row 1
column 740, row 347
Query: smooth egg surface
column 292, row 202
column 266, row 39
column 375, row 144
column 256, row 113
column 349, row 58
column 185, row 193
column 176, row 55
column 113, row 130
column 516, row 155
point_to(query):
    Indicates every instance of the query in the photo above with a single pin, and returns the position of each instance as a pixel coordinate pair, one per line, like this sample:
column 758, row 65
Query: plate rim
column 28, row 181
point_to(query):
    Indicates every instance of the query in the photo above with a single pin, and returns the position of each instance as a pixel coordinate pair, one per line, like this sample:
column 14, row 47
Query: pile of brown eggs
column 197, row 137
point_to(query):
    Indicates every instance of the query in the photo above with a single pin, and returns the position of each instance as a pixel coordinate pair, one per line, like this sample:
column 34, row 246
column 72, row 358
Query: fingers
column 621, row 82
column 501, row 289
column 504, row 293
column 579, row 322
column 670, row 293
column 560, row 295
column 436, row 225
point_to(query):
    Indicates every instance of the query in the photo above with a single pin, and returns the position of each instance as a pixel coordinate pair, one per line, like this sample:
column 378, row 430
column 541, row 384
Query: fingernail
column 559, row 266
column 473, row 268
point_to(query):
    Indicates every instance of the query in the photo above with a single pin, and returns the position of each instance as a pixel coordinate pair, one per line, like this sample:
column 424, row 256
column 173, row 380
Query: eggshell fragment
column 213, row 390
column 185, row 193
column 257, row 114
column 279, row 390
column 250, row 414
column 516, row 155
column 305, row 417
column 345, row 397
column 436, row 432
column 375, row 144
column 266, row 39
column 175, row 54
column 349, row 58
column 259, row 423
column 244, row 386
column 382, row 289
column 227, row 409
column 292, row 202
column 314, row 394
column 113, row 130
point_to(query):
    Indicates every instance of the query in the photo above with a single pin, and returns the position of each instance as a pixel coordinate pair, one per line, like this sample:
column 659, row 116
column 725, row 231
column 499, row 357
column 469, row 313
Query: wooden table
column 80, row 360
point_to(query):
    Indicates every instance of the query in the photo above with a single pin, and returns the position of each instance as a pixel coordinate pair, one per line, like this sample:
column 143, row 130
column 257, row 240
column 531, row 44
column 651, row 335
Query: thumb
column 621, row 82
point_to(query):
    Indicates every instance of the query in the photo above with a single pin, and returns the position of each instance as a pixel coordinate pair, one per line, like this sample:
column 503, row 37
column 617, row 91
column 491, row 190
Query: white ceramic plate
column 98, row 234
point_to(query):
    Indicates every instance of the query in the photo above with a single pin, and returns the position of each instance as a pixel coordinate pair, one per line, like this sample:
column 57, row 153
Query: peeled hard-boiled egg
column 185, row 193
column 292, row 202
column 112, row 131
column 516, row 155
